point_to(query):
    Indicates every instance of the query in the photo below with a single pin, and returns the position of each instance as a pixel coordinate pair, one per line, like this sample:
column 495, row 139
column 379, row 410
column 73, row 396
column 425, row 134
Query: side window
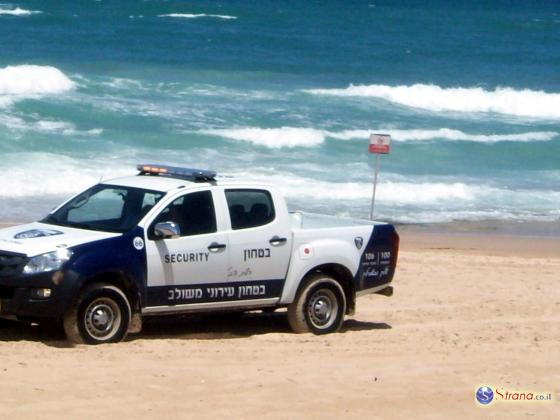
column 150, row 199
column 193, row 213
column 249, row 208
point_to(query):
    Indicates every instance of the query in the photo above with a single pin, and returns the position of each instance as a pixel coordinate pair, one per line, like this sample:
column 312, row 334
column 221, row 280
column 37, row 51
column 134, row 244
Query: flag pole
column 379, row 144
column 374, row 187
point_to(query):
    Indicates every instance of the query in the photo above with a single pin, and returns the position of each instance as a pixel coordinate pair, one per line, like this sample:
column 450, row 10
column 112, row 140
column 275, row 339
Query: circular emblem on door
column 138, row 243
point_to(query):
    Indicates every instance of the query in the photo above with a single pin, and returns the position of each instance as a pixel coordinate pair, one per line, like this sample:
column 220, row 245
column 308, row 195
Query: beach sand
column 468, row 310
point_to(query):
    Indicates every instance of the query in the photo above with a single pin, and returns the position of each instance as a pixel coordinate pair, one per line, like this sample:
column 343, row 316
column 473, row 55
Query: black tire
column 319, row 306
column 101, row 314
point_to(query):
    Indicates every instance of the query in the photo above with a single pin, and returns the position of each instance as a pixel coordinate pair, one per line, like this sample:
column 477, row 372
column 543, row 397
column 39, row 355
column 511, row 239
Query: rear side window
column 249, row 208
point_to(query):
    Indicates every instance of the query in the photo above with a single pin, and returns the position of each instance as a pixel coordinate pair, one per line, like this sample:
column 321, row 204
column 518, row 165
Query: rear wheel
column 101, row 314
column 319, row 306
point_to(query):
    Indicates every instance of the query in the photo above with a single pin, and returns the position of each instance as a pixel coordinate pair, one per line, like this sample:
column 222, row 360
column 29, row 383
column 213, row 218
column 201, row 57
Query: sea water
column 287, row 92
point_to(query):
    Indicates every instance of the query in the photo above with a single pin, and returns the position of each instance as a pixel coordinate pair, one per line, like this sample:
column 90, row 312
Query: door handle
column 276, row 240
column 215, row 247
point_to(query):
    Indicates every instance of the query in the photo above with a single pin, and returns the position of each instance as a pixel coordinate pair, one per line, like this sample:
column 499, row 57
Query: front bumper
column 19, row 298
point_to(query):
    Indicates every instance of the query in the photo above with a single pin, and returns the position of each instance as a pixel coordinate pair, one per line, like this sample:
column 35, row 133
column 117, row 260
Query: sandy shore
column 468, row 310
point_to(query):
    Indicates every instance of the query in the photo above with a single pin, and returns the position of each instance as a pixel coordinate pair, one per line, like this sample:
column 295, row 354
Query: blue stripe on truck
column 214, row 292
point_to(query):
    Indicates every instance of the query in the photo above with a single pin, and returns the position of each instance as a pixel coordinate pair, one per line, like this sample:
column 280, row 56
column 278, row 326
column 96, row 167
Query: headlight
column 50, row 261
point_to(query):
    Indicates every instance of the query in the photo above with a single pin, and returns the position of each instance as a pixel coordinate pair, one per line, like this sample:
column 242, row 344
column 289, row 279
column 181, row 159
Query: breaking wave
column 502, row 100
column 19, row 12
column 274, row 138
column 393, row 193
column 17, row 82
column 46, row 126
column 196, row 15
column 308, row 137
column 402, row 199
column 445, row 134
column 34, row 175
column 433, row 195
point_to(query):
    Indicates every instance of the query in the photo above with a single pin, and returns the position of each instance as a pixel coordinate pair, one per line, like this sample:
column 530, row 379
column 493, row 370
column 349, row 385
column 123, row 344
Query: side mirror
column 167, row 230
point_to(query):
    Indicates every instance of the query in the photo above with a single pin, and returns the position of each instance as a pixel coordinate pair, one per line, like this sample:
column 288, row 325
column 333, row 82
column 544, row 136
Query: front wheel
column 319, row 306
column 101, row 314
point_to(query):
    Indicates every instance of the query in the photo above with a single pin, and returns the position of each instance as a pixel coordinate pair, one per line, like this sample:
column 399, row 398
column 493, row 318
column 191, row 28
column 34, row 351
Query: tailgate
column 379, row 259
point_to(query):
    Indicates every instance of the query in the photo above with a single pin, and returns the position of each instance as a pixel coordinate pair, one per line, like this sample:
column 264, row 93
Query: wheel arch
column 127, row 285
column 340, row 274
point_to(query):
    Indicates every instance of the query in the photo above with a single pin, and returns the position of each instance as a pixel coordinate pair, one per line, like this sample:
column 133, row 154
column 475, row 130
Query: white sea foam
column 64, row 128
column 40, row 174
column 33, row 176
column 308, row 137
column 220, row 91
column 401, row 200
column 438, row 216
column 272, row 137
column 73, row 174
column 435, row 196
column 123, row 83
column 444, row 134
column 502, row 100
column 18, row 12
column 393, row 193
column 196, row 15
column 25, row 81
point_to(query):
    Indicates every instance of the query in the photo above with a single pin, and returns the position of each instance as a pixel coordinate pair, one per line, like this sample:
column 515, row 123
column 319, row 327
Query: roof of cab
column 165, row 178
column 167, row 183
column 155, row 183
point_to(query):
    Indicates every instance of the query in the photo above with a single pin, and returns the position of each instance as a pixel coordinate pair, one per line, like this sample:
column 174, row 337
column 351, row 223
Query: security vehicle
column 175, row 240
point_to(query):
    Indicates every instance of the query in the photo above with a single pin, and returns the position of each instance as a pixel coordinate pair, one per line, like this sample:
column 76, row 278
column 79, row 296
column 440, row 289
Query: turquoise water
column 287, row 93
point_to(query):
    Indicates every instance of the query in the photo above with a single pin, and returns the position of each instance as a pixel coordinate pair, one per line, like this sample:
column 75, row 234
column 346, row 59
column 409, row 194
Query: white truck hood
column 38, row 238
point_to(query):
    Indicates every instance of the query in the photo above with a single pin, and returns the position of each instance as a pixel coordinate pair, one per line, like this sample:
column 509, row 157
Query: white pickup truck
column 177, row 240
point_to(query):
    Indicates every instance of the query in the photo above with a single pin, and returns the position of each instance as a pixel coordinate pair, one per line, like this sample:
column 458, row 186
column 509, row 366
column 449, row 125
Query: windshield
column 107, row 208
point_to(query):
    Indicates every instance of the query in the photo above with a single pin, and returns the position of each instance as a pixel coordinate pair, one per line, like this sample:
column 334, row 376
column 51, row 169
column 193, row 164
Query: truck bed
column 303, row 220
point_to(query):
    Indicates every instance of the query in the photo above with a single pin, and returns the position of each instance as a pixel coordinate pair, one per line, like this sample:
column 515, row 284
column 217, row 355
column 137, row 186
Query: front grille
column 11, row 264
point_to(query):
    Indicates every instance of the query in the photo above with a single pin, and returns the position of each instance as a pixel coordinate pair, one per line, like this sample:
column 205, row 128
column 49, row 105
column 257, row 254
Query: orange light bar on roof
column 153, row 169
column 175, row 172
